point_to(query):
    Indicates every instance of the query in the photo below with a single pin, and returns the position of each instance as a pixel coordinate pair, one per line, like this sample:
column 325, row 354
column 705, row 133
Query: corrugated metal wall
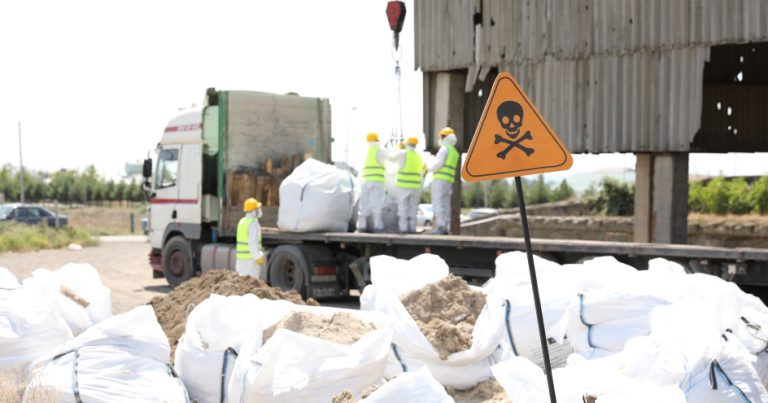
column 516, row 32
column 609, row 75
column 638, row 102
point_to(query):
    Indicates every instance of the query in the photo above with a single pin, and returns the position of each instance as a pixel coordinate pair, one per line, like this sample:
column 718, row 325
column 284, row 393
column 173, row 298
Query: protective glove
column 260, row 260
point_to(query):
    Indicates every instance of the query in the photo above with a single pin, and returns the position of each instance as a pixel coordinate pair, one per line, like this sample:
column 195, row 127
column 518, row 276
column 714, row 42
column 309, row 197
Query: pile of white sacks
column 60, row 342
column 616, row 333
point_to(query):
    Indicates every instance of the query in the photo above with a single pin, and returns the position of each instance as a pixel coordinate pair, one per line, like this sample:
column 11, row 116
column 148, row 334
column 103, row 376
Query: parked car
column 478, row 213
column 30, row 214
column 424, row 215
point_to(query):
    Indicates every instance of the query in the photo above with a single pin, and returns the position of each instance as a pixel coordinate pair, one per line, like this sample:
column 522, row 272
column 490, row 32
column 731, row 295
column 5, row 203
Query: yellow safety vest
column 448, row 171
column 242, row 251
column 373, row 171
column 410, row 176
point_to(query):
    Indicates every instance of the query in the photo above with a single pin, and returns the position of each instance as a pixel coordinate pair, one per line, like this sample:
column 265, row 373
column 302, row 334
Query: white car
column 424, row 215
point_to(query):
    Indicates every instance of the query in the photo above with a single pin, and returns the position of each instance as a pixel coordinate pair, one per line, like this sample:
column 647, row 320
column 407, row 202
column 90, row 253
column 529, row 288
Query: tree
column 498, row 193
column 563, row 192
column 539, row 192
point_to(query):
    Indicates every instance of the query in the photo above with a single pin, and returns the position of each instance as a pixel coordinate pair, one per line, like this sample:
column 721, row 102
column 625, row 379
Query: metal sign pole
column 535, row 287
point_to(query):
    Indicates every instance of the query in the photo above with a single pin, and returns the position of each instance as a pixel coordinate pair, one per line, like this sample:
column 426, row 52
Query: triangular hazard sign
column 512, row 138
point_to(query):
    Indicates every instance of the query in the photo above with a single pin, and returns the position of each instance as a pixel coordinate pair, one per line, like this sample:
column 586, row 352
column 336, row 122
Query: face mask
column 258, row 213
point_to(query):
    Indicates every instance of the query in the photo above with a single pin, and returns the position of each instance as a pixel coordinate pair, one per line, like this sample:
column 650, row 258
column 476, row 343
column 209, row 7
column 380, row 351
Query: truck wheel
column 177, row 261
column 287, row 268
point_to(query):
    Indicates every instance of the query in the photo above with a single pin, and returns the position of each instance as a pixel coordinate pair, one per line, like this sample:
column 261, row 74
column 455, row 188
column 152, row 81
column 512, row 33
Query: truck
column 239, row 144
column 242, row 144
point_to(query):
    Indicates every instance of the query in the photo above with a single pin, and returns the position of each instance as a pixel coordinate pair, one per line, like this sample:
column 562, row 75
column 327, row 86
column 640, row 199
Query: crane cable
column 396, row 17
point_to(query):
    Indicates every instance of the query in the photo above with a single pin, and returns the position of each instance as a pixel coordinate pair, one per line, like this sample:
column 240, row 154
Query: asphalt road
column 121, row 262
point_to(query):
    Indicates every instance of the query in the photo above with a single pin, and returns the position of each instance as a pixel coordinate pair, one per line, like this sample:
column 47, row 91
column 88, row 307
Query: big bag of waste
column 686, row 348
column 292, row 367
column 77, row 293
column 412, row 350
column 512, row 284
column 29, row 328
column 7, row 280
column 121, row 359
column 214, row 332
column 316, row 197
column 417, row 386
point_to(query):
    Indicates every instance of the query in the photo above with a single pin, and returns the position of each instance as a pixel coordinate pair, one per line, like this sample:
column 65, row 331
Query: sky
column 95, row 82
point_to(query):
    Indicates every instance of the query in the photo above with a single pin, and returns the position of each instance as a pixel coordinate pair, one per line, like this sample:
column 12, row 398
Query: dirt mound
column 172, row 309
column 340, row 327
column 446, row 312
column 347, row 397
column 487, row 392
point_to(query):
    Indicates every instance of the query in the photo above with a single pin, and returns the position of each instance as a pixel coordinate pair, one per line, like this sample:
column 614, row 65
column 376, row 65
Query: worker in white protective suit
column 372, row 194
column 409, row 179
column 248, row 251
column 443, row 170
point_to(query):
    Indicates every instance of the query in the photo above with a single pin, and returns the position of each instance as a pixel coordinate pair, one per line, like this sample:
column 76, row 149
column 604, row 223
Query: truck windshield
column 167, row 167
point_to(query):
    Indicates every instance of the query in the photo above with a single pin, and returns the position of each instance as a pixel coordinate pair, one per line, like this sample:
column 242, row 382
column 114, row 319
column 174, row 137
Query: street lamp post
column 21, row 169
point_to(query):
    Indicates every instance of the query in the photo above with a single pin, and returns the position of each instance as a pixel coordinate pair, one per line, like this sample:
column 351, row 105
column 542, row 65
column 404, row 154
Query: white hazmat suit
column 442, row 190
column 253, row 267
column 407, row 198
column 372, row 197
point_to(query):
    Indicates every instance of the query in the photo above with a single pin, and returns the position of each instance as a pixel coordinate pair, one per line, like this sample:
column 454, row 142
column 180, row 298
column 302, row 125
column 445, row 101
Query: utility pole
column 21, row 168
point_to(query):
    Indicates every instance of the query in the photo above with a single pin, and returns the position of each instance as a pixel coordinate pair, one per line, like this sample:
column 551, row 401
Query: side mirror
column 146, row 185
column 147, row 169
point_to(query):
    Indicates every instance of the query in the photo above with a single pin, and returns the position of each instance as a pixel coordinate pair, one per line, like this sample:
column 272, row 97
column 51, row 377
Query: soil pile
column 347, row 397
column 172, row 309
column 446, row 312
column 341, row 327
column 487, row 392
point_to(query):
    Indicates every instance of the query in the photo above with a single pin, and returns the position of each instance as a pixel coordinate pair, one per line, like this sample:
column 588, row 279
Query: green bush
column 22, row 237
column 716, row 196
column 758, row 196
column 615, row 198
column 737, row 196
column 696, row 197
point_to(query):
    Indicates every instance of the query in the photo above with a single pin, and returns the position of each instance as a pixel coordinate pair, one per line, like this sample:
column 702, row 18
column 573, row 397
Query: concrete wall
column 598, row 228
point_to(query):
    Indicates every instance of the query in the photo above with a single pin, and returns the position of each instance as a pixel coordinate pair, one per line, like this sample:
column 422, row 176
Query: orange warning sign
column 512, row 138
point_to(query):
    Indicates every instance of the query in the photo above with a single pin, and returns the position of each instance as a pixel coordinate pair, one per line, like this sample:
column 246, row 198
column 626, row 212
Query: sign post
column 512, row 140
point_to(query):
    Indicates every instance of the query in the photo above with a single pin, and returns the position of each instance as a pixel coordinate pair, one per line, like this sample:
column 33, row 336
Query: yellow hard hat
column 412, row 141
column 446, row 131
column 251, row 204
column 372, row 137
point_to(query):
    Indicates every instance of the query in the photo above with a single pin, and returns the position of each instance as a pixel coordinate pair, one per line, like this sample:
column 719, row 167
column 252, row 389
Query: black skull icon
column 510, row 115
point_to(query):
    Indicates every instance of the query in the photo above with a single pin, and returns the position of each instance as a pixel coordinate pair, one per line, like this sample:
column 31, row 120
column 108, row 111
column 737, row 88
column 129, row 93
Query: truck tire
column 288, row 268
column 178, row 266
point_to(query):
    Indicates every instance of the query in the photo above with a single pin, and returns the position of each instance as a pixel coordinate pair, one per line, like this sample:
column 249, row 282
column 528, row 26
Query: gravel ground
column 122, row 264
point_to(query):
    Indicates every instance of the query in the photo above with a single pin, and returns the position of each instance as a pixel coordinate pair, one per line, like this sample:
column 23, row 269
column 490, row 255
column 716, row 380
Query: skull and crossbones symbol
column 510, row 115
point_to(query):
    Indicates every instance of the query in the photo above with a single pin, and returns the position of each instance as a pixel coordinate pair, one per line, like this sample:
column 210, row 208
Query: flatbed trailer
column 312, row 262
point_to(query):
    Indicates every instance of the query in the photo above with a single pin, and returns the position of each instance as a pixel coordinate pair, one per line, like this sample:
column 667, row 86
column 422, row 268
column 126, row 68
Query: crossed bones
column 513, row 144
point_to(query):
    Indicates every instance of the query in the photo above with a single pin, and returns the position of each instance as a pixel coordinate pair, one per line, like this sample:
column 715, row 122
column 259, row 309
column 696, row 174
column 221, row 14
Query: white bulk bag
column 214, row 332
column 8, row 280
column 83, row 281
column 417, row 386
column 29, row 328
column 121, row 359
column 316, row 197
column 292, row 367
column 512, row 284
column 412, row 349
